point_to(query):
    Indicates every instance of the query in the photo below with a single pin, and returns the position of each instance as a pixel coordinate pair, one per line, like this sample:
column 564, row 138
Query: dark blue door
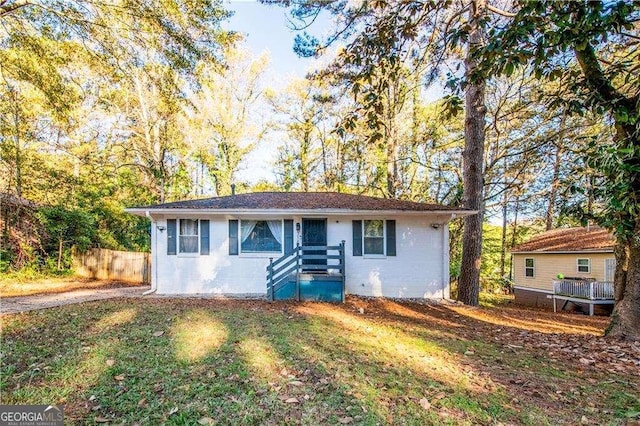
column 314, row 233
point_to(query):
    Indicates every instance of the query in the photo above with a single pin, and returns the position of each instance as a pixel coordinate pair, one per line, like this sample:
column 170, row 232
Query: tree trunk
column 555, row 182
column 503, row 240
column 16, row 138
column 625, row 320
column 59, row 254
column 472, row 157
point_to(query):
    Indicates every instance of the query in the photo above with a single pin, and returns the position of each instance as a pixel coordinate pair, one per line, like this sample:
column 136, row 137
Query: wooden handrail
column 279, row 269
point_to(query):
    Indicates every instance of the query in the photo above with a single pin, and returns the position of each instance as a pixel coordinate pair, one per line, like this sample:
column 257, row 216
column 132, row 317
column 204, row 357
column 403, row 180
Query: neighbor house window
column 373, row 233
column 261, row 236
column 188, row 236
column 584, row 266
column 529, row 268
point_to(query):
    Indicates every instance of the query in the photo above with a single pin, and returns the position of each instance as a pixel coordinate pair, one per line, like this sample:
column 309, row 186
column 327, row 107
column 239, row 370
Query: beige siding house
column 584, row 254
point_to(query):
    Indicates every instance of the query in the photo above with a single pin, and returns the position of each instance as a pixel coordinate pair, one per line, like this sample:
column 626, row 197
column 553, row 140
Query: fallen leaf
column 142, row 402
column 119, row 377
column 469, row 353
column 424, row 403
column 440, row 395
column 584, row 420
column 345, row 420
column 206, row 421
column 101, row 420
column 110, row 362
column 158, row 333
column 296, row 383
column 292, row 401
column 586, row 361
column 92, row 398
column 173, row 411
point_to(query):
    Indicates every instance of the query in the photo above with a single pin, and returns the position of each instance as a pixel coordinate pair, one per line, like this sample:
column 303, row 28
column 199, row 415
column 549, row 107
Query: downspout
column 154, row 253
column 446, row 276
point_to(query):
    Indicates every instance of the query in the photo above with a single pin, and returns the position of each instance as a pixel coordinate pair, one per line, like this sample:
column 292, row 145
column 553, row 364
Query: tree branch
column 500, row 11
column 6, row 10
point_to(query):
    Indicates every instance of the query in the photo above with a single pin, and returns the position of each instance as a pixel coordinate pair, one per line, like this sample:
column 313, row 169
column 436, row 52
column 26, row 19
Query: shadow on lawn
column 177, row 361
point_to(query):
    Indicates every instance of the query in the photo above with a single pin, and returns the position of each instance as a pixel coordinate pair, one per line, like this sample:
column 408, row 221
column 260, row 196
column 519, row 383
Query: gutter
column 154, row 252
column 278, row 212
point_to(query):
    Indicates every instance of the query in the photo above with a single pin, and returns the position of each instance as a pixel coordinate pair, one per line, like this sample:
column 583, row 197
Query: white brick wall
column 420, row 268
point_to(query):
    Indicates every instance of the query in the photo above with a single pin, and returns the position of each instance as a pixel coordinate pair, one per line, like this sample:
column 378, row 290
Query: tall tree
column 473, row 155
column 592, row 49
column 223, row 117
column 422, row 36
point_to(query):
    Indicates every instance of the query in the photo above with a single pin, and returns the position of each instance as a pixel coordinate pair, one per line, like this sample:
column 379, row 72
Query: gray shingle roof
column 300, row 201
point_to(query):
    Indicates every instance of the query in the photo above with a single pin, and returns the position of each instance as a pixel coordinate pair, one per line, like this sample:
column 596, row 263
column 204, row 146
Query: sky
column 267, row 29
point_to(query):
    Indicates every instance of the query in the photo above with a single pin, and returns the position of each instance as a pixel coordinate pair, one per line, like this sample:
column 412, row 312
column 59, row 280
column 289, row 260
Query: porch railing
column 591, row 290
column 279, row 271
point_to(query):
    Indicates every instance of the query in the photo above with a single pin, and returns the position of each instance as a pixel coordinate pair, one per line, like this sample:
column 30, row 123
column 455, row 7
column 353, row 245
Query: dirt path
column 29, row 303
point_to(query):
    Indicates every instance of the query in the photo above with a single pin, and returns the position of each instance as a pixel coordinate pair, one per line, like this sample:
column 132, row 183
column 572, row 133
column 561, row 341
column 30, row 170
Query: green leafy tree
column 591, row 49
column 67, row 228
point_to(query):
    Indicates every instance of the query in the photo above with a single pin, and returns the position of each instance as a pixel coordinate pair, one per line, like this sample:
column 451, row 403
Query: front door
column 314, row 233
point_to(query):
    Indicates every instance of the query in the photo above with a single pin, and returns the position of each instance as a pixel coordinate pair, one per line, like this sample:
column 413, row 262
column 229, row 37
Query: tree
column 223, row 115
column 67, row 226
column 473, row 154
column 423, row 36
column 591, row 48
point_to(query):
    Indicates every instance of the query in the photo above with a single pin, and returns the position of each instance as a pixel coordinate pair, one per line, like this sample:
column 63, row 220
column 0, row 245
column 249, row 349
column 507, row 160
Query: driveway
column 12, row 305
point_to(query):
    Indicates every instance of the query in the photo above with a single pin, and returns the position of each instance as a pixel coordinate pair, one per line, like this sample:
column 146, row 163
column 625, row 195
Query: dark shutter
column 288, row 235
column 233, row 237
column 204, row 237
column 391, row 238
column 357, row 238
column 171, row 236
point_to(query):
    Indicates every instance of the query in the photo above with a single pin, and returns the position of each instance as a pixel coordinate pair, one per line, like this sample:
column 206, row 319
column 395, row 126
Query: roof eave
column 265, row 212
column 598, row 250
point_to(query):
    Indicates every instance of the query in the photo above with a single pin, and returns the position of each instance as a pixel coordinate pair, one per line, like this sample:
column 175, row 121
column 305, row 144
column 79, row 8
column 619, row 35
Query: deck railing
column 591, row 290
column 293, row 262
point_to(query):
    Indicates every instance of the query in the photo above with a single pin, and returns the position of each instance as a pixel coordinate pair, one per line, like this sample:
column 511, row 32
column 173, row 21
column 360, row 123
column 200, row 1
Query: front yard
column 188, row 361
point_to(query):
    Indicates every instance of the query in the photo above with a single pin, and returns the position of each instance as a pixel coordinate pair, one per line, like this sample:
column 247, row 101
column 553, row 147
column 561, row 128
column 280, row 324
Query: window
column 261, row 236
column 584, row 266
column 188, row 236
column 529, row 268
column 373, row 237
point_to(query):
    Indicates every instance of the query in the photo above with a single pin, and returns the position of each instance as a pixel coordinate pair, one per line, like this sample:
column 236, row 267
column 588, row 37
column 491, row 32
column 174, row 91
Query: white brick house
column 224, row 245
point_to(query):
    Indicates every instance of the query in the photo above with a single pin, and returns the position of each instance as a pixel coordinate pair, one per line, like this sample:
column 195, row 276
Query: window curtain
column 188, row 236
column 246, row 228
column 275, row 226
column 188, row 227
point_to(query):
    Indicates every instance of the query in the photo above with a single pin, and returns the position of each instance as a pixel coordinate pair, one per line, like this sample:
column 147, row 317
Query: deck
column 583, row 291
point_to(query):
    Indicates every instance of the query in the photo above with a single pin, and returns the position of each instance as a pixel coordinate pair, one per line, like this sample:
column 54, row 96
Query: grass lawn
column 12, row 287
column 190, row 361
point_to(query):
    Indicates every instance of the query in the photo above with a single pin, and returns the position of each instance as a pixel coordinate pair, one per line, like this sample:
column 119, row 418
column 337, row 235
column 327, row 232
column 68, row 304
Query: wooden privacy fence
column 107, row 264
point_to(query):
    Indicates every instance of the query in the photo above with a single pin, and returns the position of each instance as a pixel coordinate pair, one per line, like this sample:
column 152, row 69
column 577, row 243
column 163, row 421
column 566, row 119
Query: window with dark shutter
column 357, row 237
column 233, row 237
column 391, row 237
column 171, row 236
column 288, row 235
column 204, row 237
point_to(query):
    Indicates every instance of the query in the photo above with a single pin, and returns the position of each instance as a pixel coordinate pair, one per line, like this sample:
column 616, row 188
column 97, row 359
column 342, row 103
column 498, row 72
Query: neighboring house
column 578, row 254
column 373, row 246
